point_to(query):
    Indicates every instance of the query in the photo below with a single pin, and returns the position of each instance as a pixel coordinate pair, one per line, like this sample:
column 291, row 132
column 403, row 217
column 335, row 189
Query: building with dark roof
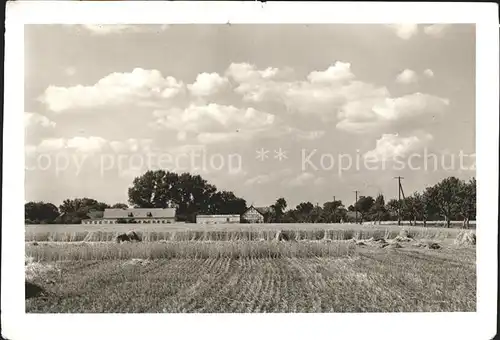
column 254, row 215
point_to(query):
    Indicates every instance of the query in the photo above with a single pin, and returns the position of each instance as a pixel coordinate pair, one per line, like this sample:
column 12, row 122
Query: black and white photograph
column 253, row 168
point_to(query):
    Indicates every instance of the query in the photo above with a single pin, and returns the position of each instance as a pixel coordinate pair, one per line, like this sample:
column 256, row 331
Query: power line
column 400, row 189
column 355, row 208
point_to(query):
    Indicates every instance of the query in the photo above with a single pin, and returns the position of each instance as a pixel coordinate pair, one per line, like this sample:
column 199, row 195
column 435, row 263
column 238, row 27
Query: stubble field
column 242, row 274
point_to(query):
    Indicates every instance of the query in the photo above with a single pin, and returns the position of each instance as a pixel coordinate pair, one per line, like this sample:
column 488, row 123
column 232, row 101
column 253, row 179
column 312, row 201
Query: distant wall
column 218, row 219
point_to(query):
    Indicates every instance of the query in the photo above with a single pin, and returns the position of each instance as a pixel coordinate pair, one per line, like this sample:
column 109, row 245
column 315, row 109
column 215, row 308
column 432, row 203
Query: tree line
column 450, row 199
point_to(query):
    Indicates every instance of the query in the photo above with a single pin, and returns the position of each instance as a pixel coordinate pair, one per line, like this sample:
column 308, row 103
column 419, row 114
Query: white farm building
column 216, row 219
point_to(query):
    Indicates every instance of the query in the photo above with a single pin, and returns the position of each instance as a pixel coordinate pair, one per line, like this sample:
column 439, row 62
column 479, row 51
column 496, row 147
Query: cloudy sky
column 105, row 103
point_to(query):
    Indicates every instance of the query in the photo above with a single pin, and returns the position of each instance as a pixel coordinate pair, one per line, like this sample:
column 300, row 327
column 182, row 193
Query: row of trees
column 189, row 194
column 450, row 199
column 71, row 211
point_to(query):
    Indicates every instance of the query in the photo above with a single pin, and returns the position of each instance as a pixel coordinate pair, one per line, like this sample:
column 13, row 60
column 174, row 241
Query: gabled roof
column 95, row 214
column 260, row 210
column 264, row 210
column 140, row 213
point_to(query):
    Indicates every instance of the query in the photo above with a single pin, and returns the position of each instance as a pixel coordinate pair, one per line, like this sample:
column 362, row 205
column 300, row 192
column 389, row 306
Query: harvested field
column 368, row 279
column 250, row 268
column 228, row 232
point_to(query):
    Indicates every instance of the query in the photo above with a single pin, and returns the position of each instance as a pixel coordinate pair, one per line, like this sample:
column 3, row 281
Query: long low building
column 217, row 219
column 134, row 215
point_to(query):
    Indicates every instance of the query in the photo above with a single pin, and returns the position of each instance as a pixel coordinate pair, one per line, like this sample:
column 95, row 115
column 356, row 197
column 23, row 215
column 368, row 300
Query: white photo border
column 479, row 325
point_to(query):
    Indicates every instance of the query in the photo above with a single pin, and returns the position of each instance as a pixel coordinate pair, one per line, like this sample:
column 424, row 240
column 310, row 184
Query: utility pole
column 399, row 178
column 355, row 208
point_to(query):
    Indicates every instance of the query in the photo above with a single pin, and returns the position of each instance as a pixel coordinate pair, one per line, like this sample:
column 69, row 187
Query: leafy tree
column 446, row 197
column 420, row 207
column 119, row 206
column 392, row 208
column 316, row 215
column 467, row 206
column 363, row 206
column 225, row 202
column 154, row 189
column 278, row 210
column 408, row 209
column 333, row 212
column 190, row 194
column 378, row 210
column 75, row 210
column 304, row 211
column 40, row 212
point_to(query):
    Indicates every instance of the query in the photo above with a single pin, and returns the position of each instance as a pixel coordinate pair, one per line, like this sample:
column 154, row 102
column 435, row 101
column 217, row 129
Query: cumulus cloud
column 407, row 77
column 404, row 31
column 300, row 180
column 214, row 122
column 86, row 144
column 363, row 116
column 336, row 96
column 32, row 119
column 116, row 88
column 391, row 146
column 208, row 84
column 429, row 73
column 51, row 144
column 248, row 73
column 131, row 145
column 336, row 73
column 268, row 178
column 319, row 181
column 436, row 30
column 81, row 144
column 301, row 134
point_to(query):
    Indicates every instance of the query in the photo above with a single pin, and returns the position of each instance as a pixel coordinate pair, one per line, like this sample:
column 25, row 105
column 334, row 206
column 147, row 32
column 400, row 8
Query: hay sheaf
column 33, row 270
column 466, row 238
column 393, row 245
column 403, row 239
column 428, row 245
column 130, row 236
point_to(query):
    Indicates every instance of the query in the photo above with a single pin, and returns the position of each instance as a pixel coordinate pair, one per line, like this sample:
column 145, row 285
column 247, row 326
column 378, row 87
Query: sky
column 304, row 112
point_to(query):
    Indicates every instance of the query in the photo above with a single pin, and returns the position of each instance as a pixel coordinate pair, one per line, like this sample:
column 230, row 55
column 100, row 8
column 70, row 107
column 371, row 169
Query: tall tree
column 190, row 194
column 420, row 206
column 467, row 206
column 278, row 210
column 304, row 212
column 392, row 208
column 445, row 196
column 119, row 206
column 363, row 206
column 40, row 212
column 378, row 210
column 226, row 202
column 333, row 212
column 77, row 209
